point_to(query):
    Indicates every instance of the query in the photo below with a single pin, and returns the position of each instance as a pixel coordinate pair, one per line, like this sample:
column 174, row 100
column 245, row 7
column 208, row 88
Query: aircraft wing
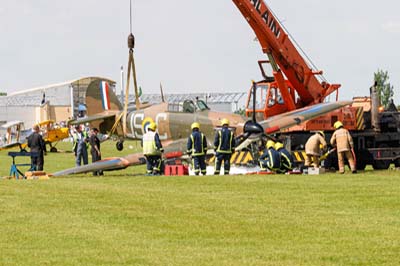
column 10, row 145
column 279, row 122
column 95, row 117
column 109, row 164
column 118, row 163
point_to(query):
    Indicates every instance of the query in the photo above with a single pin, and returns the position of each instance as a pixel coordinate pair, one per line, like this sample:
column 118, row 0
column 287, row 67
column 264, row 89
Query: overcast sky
column 198, row 46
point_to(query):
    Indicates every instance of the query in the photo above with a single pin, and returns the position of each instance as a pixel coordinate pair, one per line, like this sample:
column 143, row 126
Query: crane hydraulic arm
column 281, row 52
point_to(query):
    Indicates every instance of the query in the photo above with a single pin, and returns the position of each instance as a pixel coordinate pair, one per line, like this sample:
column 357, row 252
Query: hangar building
column 58, row 102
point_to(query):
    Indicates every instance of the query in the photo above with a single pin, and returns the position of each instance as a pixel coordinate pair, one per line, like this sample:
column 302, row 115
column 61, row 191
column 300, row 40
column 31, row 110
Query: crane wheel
column 361, row 165
column 381, row 164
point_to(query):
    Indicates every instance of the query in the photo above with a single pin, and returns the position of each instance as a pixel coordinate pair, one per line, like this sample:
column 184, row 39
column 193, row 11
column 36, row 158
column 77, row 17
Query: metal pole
column 122, row 83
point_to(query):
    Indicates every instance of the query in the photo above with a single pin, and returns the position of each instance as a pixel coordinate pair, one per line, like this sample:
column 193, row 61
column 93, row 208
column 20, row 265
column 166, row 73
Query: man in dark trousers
column 81, row 142
column 95, row 149
column 197, row 148
column 37, row 145
column 224, row 145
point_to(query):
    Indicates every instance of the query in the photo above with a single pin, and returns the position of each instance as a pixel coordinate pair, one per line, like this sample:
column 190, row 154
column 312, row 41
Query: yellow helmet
column 278, row 145
column 195, row 125
column 224, row 122
column 152, row 126
column 322, row 133
column 338, row 124
column 270, row 144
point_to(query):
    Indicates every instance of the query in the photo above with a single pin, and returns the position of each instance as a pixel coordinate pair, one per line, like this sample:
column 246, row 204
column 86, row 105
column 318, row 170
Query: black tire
column 361, row 164
column 120, row 145
column 53, row 149
column 331, row 162
column 381, row 164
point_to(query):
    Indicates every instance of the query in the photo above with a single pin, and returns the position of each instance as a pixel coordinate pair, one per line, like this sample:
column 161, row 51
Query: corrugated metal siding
column 25, row 114
column 23, row 105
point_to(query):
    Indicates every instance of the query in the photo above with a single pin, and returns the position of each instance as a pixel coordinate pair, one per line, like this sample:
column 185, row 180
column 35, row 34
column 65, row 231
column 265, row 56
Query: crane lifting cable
column 309, row 61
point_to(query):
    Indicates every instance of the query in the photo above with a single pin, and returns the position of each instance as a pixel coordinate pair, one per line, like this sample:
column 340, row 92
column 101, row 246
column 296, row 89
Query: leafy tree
column 241, row 111
column 385, row 89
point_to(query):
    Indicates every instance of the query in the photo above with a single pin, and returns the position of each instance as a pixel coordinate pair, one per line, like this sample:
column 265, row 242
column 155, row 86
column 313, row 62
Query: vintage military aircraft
column 173, row 123
column 16, row 134
column 53, row 133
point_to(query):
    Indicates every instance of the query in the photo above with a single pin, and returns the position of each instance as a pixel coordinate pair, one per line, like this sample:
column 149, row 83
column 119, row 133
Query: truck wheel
column 381, row 164
column 361, row 165
column 331, row 162
column 53, row 149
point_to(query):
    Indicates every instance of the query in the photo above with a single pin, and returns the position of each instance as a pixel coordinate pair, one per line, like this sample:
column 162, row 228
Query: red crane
column 294, row 83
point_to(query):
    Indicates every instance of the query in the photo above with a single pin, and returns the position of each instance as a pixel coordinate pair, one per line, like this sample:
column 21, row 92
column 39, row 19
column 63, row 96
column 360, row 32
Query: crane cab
column 269, row 100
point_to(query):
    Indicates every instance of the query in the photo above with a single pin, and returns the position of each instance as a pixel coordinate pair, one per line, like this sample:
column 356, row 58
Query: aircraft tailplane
column 100, row 97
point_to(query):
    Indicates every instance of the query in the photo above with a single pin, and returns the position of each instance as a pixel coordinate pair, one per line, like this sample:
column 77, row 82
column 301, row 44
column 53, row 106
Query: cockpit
column 188, row 106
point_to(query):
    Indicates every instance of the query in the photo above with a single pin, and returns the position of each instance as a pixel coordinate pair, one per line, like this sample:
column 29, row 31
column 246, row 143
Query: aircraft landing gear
column 120, row 145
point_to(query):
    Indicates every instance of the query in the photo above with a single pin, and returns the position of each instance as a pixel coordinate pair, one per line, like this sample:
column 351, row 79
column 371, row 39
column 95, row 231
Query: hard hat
column 195, row 125
column 152, row 126
column 224, row 122
column 321, row 133
column 338, row 124
column 278, row 145
column 270, row 144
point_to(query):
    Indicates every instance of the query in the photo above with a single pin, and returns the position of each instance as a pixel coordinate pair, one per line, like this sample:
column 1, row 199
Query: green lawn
column 125, row 218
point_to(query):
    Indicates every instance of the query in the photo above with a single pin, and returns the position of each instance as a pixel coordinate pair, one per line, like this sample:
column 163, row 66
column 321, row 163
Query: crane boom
column 276, row 43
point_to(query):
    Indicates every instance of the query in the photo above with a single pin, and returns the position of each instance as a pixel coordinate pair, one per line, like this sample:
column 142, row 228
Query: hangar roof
column 58, row 94
column 212, row 98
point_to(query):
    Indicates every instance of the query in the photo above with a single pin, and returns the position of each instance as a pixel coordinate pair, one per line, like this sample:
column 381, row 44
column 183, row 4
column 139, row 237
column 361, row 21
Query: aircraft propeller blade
column 283, row 121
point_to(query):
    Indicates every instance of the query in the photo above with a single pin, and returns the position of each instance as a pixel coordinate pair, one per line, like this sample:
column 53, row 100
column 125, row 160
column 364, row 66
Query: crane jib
column 269, row 20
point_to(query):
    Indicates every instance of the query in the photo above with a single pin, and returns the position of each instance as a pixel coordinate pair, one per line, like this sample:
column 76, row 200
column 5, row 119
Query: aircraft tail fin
column 100, row 97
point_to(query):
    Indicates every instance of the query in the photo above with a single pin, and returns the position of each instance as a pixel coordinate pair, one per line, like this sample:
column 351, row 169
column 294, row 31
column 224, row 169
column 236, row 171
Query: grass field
column 125, row 218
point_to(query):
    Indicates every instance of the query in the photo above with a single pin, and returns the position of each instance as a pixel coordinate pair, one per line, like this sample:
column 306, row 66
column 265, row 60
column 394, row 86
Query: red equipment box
column 176, row 170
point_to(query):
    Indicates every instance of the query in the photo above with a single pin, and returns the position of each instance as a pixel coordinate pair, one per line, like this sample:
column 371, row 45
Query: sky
column 192, row 46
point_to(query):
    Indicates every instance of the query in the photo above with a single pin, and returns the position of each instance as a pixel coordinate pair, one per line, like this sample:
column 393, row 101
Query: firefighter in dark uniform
column 197, row 148
column 287, row 160
column 152, row 150
column 270, row 159
column 224, row 145
column 37, row 145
